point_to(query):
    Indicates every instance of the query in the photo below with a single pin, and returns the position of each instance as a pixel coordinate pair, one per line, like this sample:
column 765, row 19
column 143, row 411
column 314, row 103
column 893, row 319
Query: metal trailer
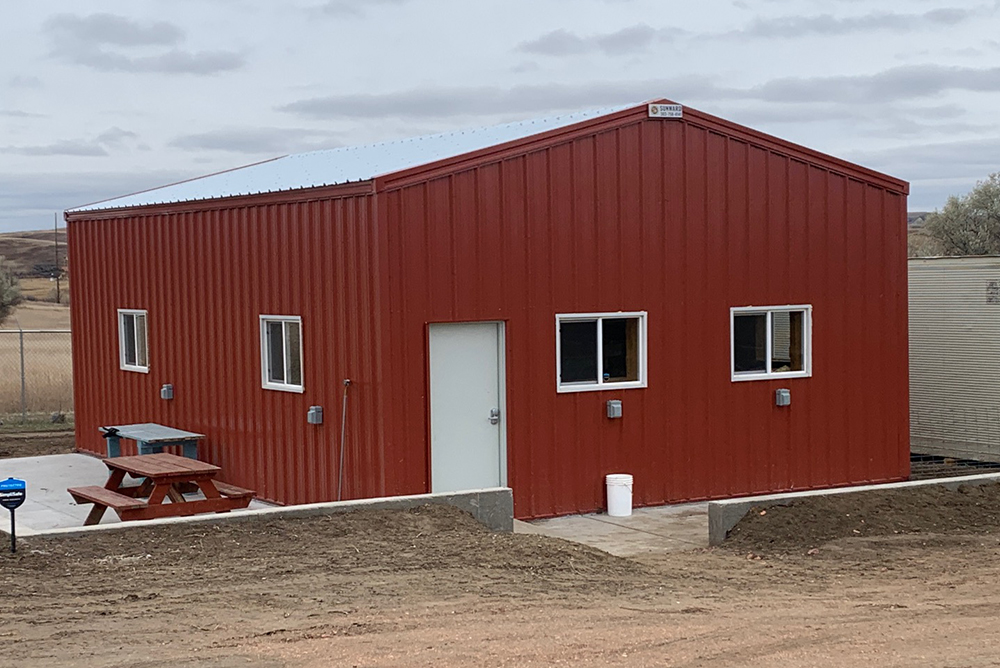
column 955, row 357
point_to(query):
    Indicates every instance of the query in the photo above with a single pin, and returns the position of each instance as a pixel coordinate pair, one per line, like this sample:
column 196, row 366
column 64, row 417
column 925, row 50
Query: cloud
column 61, row 147
column 115, row 136
column 19, row 81
column 627, row 40
column 112, row 138
column 887, row 117
column 257, row 140
column 525, row 67
column 970, row 159
column 353, row 8
column 899, row 83
column 113, row 29
column 931, row 194
column 17, row 113
column 170, row 62
column 111, row 43
column 935, row 170
column 827, row 24
column 905, row 83
column 485, row 101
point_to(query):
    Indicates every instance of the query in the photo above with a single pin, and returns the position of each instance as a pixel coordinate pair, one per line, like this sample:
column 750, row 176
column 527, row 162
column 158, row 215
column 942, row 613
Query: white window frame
column 601, row 384
column 122, row 364
column 806, row 371
column 265, row 382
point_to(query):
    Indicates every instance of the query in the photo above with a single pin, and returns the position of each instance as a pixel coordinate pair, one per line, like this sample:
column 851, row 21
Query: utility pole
column 55, row 234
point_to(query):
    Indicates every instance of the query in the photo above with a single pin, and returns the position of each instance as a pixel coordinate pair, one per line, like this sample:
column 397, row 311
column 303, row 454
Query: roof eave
column 353, row 189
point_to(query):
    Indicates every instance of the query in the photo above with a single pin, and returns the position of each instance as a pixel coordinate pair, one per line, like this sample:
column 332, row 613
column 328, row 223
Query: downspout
column 343, row 432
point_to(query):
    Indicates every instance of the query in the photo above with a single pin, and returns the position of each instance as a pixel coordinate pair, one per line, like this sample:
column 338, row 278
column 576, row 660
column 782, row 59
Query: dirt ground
column 803, row 585
column 35, row 444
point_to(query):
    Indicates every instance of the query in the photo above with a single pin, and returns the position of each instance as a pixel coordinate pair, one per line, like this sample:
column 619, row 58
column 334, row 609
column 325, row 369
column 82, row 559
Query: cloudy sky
column 104, row 98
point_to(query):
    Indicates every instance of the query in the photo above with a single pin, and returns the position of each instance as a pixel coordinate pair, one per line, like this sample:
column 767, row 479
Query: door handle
column 494, row 415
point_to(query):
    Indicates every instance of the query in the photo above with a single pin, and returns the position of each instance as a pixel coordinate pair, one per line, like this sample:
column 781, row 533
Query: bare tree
column 921, row 244
column 10, row 290
column 969, row 224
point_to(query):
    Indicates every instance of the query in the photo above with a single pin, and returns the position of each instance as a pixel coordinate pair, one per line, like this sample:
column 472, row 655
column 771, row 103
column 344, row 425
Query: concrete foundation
column 724, row 515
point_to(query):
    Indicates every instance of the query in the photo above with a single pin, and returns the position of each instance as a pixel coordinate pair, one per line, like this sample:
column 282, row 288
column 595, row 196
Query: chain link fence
column 36, row 379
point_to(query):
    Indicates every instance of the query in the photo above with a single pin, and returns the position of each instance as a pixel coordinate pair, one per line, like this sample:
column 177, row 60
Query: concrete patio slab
column 47, row 504
column 646, row 531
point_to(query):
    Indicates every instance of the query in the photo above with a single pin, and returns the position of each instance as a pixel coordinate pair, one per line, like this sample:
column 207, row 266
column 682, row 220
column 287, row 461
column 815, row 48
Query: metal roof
column 343, row 165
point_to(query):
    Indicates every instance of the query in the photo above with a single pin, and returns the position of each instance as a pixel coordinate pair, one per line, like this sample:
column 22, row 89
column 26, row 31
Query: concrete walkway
column 646, row 531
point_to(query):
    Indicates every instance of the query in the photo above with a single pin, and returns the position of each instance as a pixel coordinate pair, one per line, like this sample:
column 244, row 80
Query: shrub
column 10, row 290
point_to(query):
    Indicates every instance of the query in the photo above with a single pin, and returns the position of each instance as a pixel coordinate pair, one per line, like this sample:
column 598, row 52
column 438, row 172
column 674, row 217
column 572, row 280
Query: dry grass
column 37, row 315
column 48, row 369
column 28, row 254
column 44, row 289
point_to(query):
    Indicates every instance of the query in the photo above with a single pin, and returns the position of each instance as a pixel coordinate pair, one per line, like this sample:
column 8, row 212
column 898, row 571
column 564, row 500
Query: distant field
column 48, row 364
column 38, row 315
column 26, row 252
column 44, row 289
column 48, row 360
column 26, row 249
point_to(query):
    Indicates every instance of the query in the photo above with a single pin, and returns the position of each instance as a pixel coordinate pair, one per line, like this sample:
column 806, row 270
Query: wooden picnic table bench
column 164, row 475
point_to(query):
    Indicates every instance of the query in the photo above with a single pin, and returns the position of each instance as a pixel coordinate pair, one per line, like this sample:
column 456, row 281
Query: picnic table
column 164, row 475
column 151, row 438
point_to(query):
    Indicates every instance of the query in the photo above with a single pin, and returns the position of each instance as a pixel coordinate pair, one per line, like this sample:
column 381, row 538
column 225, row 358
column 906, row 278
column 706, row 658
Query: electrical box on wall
column 315, row 415
column 167, row 392
column 614, row 408
column 782, row 397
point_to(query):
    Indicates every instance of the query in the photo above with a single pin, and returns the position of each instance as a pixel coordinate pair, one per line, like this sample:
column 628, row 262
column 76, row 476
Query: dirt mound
column 36, row 444
column 814, row 521
column 393, row 549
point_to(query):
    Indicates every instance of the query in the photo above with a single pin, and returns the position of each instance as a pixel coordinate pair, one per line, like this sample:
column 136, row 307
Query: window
column 771, row 342
column 281, row 352
column 133, row 352
column 596, row 351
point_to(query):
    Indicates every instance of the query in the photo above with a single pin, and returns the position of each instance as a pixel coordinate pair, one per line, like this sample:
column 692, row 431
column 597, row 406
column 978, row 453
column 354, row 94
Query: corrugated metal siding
column 955, row 356
column 683, row 222
column 205, row 279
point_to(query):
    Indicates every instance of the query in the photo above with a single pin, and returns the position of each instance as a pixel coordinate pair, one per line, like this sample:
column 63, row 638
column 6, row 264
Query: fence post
column 24, row 394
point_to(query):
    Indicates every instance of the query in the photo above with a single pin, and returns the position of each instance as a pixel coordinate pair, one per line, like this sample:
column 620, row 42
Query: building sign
column 666, row 111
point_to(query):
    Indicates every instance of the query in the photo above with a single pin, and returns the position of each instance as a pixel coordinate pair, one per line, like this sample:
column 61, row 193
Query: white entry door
column 467, row 429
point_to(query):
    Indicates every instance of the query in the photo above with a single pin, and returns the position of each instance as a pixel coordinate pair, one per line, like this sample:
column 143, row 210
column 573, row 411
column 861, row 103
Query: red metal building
column 678, row 263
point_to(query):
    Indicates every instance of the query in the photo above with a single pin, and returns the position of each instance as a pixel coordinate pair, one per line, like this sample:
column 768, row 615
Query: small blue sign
column 12, row 493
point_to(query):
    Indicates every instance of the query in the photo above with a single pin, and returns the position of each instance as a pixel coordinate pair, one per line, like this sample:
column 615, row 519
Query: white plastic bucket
column 619, row 494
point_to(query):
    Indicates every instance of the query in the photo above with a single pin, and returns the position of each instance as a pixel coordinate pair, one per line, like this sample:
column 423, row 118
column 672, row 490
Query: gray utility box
column 782, row 397
column 614, row 408
column 315, row 415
